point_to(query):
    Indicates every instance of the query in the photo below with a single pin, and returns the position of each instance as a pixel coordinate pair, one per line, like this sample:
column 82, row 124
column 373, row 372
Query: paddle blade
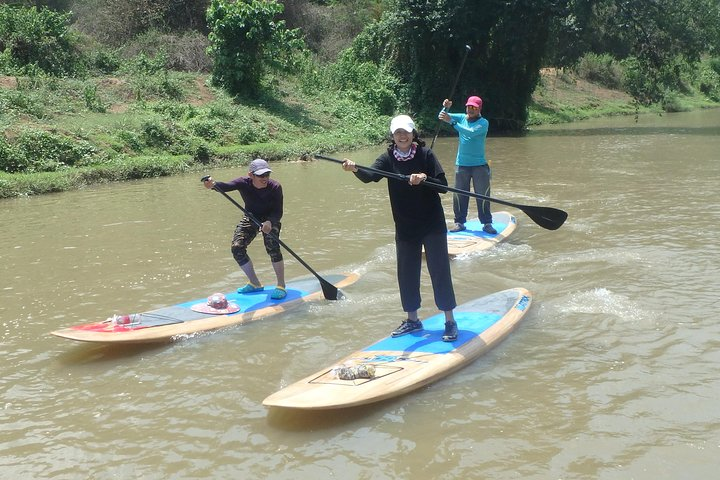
column 547, row 217
column 330, row 291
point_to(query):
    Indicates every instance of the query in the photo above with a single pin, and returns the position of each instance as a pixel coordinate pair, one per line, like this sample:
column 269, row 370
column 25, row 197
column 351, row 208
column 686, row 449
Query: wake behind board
column 165, row 323
column 394, row 366
column 473, row 239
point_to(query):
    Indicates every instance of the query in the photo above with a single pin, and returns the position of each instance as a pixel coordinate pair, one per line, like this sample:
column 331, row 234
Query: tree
column 424, row 42
column 659, row 39
column 246, row 42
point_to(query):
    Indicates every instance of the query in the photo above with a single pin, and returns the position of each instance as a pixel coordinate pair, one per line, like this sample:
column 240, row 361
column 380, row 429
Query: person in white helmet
column 419, row 222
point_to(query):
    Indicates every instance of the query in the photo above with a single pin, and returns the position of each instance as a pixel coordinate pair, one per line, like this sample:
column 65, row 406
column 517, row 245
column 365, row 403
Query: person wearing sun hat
column 263, row 198
column 419, row 223
column 470, row 162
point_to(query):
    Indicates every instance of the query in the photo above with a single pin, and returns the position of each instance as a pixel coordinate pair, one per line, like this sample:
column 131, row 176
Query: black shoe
column 451, row 332
column 407, row 326
column 488, row 228
column 458, row 227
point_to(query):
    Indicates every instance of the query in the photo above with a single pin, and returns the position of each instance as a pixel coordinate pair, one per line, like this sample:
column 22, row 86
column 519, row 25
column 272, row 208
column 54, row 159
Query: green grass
column 137, row 127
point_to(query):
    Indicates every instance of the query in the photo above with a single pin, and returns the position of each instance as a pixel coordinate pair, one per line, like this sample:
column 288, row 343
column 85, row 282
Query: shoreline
column 559, row 98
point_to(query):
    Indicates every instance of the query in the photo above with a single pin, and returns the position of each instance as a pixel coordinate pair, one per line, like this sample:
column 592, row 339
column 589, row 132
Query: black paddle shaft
column 330, row 291
column 452, row 92
column 547, row 217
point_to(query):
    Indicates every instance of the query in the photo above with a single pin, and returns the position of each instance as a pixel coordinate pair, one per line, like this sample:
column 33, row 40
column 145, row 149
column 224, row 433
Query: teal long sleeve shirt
column 471, row 135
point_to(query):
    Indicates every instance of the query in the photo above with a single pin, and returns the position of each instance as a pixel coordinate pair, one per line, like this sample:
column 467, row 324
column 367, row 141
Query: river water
column 613, row 374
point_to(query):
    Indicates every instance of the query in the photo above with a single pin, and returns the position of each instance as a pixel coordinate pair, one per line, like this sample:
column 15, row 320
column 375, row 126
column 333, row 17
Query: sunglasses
column 264, row 175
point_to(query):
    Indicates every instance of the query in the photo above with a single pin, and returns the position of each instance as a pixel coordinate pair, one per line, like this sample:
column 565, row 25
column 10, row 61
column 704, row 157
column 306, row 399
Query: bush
column 130, row 140
column 246, row 41
column 38, row 41
column 708, row 79
column 671, row 103
column 361, row 81
column 92, row 100
column 174, row 110
column 48, row 152
column 249, row 132
column 715, row 64
column 155, row 134
column 11, row 160
column 206, row 128
column 601, row 69
column 22, row 102
column 104, row 60
column 185, row 52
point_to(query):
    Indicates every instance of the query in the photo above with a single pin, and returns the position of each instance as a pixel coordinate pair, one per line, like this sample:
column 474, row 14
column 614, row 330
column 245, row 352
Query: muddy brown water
column 613, row 373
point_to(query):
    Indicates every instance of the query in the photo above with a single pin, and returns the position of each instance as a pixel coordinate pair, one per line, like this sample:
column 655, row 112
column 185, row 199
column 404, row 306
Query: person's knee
column 240, row 255
column 275, row 255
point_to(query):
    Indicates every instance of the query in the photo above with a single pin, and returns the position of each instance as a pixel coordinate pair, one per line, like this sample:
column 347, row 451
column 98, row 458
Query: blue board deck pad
column 429, row 340
column 251, row 301
column 473, row 239
column 474, row 228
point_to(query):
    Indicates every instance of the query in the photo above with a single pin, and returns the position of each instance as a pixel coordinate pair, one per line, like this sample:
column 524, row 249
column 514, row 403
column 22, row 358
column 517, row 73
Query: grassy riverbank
column 112, row 129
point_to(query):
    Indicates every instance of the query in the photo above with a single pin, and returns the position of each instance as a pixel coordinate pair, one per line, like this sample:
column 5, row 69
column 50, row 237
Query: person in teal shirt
column 470, row 163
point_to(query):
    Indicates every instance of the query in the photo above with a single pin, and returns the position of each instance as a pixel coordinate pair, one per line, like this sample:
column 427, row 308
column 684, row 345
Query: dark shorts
column 245, row 233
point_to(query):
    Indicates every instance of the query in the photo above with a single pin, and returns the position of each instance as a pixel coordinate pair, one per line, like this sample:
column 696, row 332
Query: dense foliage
column 36, row 41
column 246, row 40
column 101, row 85
column 659, row 40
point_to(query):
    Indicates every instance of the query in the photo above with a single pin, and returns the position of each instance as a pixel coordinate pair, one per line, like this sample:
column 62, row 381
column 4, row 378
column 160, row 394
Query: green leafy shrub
column 708, row 80
column 671, row 102
column 131, row 140
column 174, row 110
column 202, row 153
column 22, row 102
column 249, row 132
column 156, row 134
column 11, row 160
column 48, row 152
column 362, row 81
column 601, row 69
column 246, row 41
column 206, row 128
column 38, row 41
column 714, row 64
column 104, row 60
column 92, row 99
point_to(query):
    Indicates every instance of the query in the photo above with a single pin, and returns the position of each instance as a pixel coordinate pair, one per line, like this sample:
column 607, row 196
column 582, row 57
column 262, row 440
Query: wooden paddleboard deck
column 409, row 362
column 166, row 323
column 473, row 239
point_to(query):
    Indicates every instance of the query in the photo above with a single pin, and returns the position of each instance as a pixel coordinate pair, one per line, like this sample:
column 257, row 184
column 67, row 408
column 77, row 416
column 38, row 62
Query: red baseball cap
column 474, row 101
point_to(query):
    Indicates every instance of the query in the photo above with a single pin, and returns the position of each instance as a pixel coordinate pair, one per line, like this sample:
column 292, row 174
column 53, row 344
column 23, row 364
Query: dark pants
column 480, row 177
column 409, row 263
column 245, row 232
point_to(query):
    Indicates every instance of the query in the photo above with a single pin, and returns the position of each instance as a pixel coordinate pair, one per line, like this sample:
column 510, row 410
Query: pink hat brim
column 205, row 308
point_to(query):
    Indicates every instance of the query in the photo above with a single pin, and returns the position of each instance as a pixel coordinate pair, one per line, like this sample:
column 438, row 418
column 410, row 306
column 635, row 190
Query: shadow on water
column 711, row 131
column 91, row 353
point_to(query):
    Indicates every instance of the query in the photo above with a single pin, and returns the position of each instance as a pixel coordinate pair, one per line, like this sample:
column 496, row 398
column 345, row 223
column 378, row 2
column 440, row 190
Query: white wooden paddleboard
column 164, row 324
column 407, row 363
column 473, row 239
